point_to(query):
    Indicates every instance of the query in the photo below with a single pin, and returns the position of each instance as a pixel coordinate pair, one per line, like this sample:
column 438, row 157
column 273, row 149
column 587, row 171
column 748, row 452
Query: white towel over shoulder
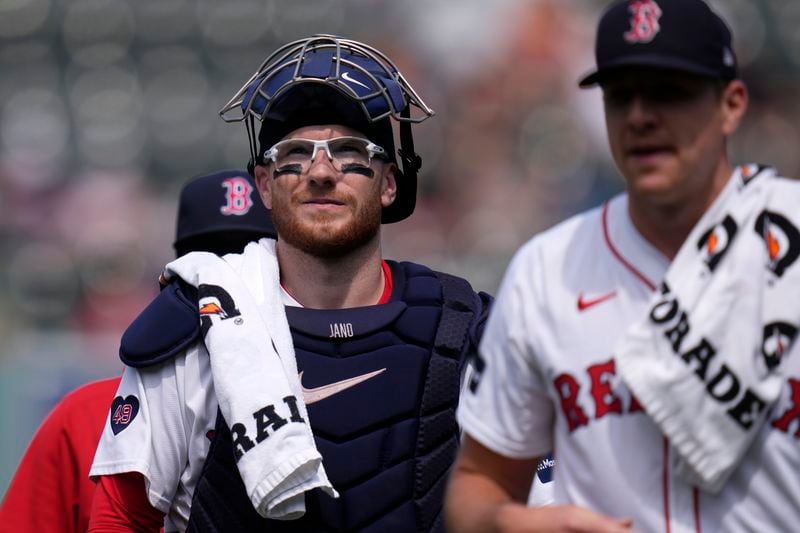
column 254, row 371
column 705, row 361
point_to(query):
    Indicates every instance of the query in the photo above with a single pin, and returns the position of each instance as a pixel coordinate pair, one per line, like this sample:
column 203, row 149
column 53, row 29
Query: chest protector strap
column 448, row 359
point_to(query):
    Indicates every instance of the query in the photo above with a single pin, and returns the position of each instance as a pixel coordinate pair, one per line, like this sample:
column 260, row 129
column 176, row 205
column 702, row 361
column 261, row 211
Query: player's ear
column 733, row 100
column 388, row 184
column 263, row 184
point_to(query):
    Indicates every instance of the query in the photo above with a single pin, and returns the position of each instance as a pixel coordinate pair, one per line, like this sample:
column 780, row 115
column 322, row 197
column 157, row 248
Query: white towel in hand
column 705, row 362
column 255, row 377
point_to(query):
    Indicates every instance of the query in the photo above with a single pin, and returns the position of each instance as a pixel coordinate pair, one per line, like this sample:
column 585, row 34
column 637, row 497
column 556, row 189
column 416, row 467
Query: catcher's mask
column 325, row 79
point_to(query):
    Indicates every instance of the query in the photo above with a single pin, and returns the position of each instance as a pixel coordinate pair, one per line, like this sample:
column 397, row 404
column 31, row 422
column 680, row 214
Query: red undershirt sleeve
column 120, row 505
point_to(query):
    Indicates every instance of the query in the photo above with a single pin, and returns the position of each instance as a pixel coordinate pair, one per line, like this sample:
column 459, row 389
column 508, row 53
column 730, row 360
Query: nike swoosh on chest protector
column 586, row 303
column 317, row 394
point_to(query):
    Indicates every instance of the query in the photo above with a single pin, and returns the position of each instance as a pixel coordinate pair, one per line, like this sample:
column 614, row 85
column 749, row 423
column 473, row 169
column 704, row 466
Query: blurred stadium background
column 107, row 107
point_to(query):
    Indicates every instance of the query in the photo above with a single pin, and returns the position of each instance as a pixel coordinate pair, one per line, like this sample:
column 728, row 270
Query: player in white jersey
column 577, row 296
column 255, row 380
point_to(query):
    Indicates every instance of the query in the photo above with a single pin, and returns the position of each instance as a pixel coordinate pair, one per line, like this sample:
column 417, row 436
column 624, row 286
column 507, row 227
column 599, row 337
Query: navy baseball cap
column 221, row 213
column 680, row 35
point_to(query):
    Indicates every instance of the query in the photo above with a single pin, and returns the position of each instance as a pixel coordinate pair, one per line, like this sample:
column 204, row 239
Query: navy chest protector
column 381, row 385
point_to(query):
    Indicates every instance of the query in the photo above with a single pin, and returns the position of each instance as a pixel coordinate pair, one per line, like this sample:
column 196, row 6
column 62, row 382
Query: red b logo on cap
column 644, row 22
column 237, row 196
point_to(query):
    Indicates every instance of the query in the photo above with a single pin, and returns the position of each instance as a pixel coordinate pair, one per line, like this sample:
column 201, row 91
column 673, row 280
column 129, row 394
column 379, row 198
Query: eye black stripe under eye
column 358, row 169
column 287, row 169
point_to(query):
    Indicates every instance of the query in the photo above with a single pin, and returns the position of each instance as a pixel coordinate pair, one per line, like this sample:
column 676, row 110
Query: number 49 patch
column 123, row 411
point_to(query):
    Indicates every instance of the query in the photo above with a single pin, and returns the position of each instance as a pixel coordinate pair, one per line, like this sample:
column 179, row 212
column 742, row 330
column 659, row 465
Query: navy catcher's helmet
column 325, row 79
column 220, row 213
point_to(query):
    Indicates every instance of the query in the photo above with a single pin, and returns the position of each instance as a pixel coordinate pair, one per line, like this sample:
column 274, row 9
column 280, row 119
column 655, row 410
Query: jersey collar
column 629, row 247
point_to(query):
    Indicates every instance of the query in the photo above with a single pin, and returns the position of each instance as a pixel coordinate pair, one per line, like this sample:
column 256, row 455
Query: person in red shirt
column 51, row 490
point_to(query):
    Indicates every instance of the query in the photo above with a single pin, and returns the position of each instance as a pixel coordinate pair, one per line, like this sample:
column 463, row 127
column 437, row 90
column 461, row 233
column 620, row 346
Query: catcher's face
column 667, row 132
column 326, row 208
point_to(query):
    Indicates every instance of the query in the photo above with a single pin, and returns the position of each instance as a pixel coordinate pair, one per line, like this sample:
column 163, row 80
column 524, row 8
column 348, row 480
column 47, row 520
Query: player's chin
column 331, row 241
column 656, row 191
column 650, row 178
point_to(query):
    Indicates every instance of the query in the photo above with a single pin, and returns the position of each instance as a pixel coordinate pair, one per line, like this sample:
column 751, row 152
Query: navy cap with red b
column 221, row 213
column 680, row 35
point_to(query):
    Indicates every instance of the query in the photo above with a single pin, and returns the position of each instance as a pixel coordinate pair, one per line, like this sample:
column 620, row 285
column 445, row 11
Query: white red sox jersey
column 548, row 382
column 175, row 408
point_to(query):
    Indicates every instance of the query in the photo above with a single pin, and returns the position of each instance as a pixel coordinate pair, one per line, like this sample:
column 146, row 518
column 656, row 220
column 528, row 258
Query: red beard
column 323, row 236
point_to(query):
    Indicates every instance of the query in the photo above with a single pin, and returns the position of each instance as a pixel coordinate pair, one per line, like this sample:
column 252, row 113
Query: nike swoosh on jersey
column 346, row 76
column 326, row 391
column 586, row 303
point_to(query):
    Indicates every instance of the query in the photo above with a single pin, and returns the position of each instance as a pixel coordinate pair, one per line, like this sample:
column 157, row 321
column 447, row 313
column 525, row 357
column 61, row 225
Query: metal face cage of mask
column 356, row 72
column 346, row 154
